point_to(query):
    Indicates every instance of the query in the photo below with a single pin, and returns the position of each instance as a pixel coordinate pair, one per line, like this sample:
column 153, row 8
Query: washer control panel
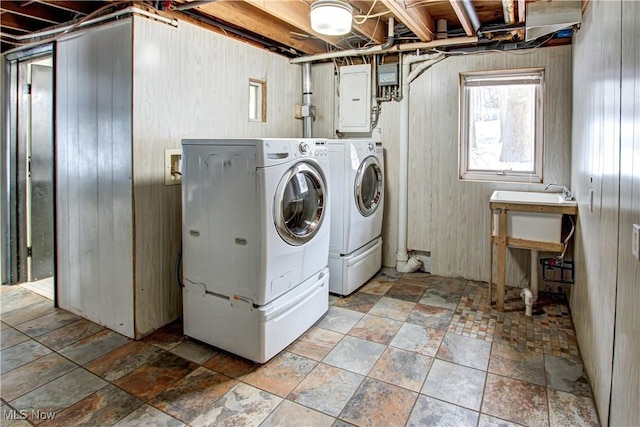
column 313, row 148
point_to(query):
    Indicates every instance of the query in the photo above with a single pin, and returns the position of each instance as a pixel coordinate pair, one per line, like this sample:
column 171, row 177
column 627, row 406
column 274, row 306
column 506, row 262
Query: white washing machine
column 255, row 231
column 357, row 196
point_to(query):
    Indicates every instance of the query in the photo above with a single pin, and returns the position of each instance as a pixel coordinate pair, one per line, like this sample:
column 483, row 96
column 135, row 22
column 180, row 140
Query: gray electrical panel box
column 388, row 75
column 354, row 114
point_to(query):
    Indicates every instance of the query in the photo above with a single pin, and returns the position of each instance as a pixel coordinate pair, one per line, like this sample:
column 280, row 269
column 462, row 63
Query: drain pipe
column 404, row 263
column 307, row 109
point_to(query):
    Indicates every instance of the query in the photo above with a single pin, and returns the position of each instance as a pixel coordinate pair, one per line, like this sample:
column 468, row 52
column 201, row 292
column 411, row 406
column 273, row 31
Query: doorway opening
column 29, row 189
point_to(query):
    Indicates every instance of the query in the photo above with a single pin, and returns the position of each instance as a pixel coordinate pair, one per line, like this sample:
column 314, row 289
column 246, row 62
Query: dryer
column 255, row 236
column 357, row 198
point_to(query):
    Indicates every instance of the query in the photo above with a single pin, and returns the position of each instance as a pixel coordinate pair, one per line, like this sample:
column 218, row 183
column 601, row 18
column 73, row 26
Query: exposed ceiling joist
column 463, row 17
column 35, row 11
column 375, row 28
column 80, row 7
column 254, row 20
column 416, row 19
column 21, row 23
column 521, row 11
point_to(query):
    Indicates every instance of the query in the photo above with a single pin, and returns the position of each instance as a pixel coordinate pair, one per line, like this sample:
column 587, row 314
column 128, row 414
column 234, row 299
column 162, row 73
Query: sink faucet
column 566, row 193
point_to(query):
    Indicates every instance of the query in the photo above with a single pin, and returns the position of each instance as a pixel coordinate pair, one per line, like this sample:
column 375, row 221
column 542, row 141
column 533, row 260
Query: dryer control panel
column 312, row 148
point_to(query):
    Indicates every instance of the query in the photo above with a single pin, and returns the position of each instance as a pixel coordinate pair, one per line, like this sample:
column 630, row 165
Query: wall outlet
column 172, row 166
column 635, row 241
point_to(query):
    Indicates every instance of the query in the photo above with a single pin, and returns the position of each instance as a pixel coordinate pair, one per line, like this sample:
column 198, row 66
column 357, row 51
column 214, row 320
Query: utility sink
column 531, row 215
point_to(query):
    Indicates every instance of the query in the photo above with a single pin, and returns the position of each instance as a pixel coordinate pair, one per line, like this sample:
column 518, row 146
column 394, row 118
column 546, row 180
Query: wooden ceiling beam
column 35, row 11
column 22, row 24
column 80, row 7
column 247, row 17
column 295, row 13
column 374, row 28
column 462, row 17
column 417, row 19
column 521, row 11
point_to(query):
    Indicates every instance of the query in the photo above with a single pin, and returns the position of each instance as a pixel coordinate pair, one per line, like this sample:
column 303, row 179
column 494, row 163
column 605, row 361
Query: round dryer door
column 369, row 186
column 299, row 205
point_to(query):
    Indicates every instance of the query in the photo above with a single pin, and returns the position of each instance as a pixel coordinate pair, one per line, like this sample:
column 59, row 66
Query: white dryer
column 357, row 196
column 255, row 236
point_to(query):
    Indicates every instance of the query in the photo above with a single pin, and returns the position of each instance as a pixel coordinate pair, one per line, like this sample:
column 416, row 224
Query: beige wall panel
column 190, row 83
column 625, row 393
column 324, row 98
column 595, row 167
column 448, row 217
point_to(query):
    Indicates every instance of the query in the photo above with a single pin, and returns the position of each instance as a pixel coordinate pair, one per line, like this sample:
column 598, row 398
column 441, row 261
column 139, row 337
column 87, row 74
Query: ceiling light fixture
column 331, row 17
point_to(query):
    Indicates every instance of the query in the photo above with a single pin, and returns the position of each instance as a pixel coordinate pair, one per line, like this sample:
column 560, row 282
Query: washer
column 357, row 199
column 256, row 220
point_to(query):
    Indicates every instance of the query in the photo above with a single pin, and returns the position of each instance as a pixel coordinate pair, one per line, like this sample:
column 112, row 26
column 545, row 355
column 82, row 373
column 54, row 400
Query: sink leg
column 534, row 275
column 502, row 256
column 490, row 256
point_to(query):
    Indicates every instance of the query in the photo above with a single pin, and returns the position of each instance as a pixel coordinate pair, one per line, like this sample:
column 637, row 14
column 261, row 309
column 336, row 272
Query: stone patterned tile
column 60, row 393
column 466, row 351
column 155, row 376
column 281, row 374
column 28, row 377
column 10, row 417
column 168, row 336
column 21, row 354
column 339, row 319
column 455, row 384
column 340, row 423
column 333, row 298
column 521, row 365
column 566, row 375
column 148, row 416
column 358, row 301
column 102, row 408
column 489, row 421
column 195, row 351
column 244, row 405
column 378, row 403
column 326, row 389
column 376, row 287
column 194, row 394
column 516, row 401
column 567, row 409
column 405, row 291
column 450, row 285
column 123, row 360
column 69, row 334
column 316, row 343
column 10, row 337
column 402, row 368
column 290, row 414
column 342, row 356
column 388, row 273
column 392, row 308
column 39, row 307
column 438, row 297
column 433, row 412
column 47, row 323
column 4, row 326
column 375, row 328
column 231, row 365
column 16, row 298
column 418, row 339
column 430, row 316
column 94, row 346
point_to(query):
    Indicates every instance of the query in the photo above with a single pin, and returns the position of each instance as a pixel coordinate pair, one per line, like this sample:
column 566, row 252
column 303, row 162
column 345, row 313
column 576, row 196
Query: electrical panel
column 354, row 114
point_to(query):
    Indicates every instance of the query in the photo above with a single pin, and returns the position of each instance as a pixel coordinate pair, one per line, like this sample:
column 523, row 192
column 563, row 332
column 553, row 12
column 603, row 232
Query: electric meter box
column 388, row 75
column 354, row 113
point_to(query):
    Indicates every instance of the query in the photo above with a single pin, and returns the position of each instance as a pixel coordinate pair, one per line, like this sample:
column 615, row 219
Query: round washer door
column 369, row 186
column 299, row 205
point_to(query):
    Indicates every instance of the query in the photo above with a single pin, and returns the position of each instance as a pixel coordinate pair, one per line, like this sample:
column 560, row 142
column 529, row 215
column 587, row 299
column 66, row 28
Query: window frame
column 260, row 101
column 496, row 78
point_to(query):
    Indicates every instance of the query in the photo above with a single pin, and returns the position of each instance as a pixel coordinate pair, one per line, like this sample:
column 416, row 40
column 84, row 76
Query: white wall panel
column 190, row 83
column 625, row 393
column 595, row 167
column 94, row 275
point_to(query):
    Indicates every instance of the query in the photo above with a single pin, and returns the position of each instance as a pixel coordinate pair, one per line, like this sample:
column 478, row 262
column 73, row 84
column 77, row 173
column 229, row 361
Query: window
column 501, row 125
column 257, row 101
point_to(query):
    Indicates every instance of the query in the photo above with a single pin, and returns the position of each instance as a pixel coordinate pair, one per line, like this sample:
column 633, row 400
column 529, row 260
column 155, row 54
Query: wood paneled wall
column 190, row 83
column 94, row 274
column 448, row 217
column 606, row 160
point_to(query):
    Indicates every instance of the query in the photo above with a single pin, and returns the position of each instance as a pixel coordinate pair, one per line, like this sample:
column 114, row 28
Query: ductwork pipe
column 307, row 95
column 404, row 263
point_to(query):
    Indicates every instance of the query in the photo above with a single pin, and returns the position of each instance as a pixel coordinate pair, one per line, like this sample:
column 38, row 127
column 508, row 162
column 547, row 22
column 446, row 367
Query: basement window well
column 501, row 125
column 257, row 101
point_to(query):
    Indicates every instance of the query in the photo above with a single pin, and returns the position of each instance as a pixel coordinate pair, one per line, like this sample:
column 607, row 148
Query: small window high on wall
column 257, row 101
column 501, row 125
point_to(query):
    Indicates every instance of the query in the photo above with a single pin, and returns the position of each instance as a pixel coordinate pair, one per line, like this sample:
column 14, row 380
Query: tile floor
column 414, row 350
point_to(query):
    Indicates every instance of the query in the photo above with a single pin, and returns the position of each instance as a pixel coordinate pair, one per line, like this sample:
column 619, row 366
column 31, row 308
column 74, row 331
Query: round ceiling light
column 331, row 17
